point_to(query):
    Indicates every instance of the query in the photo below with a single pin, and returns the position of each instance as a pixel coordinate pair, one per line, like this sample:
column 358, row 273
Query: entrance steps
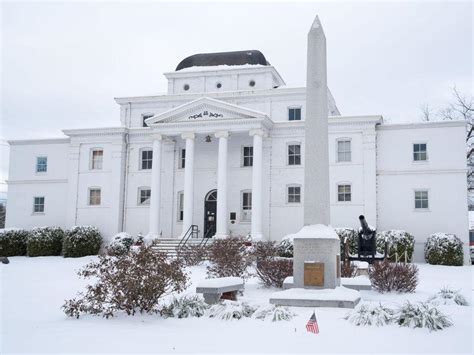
column 169, row 246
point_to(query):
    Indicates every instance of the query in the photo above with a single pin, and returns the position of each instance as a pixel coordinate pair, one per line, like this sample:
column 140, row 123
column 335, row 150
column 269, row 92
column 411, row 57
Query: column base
column 220, row 236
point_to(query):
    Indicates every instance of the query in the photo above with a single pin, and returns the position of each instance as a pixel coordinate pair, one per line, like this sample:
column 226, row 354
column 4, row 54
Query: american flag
column 312, row 325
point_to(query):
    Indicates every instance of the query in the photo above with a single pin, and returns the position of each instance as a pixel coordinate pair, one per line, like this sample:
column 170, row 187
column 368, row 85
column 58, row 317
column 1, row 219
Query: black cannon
column 367, row 246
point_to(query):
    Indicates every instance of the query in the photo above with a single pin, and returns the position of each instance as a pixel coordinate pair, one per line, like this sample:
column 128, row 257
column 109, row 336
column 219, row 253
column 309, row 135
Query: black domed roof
column 223, row 58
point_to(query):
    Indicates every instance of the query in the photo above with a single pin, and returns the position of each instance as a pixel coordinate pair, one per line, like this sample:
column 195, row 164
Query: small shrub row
column 397, row 244
column 444, row 249
column 229, row 257
column 44, row 241
column 412, row 315
column 273, row 271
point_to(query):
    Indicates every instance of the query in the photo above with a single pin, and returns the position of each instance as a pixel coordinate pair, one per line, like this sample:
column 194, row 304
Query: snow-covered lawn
column 33, row 290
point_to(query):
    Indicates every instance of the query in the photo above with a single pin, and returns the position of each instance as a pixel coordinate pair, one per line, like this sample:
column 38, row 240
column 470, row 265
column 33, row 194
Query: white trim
column 416, row 125
column 38, row 141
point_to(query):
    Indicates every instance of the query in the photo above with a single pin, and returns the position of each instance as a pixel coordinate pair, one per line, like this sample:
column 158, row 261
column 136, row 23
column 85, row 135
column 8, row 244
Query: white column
column 257, row 176
column 188, row 182
column 155, row 198
column 221, row 227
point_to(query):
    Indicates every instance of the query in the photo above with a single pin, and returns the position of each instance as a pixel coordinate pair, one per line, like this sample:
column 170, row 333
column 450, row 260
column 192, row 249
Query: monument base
column 339, row 297
column 358, row 283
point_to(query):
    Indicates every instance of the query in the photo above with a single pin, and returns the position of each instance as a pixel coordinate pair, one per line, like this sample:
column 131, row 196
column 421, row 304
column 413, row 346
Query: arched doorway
column 210, row 209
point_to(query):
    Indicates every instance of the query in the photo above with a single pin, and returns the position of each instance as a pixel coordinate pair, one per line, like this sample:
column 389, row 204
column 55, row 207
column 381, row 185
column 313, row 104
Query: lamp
column 208, row 139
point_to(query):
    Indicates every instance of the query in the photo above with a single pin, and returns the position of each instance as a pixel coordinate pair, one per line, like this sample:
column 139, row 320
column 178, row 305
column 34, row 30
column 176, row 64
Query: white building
column 228, row 124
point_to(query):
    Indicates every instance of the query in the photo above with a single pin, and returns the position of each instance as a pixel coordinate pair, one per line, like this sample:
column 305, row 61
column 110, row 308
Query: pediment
column 204, row 109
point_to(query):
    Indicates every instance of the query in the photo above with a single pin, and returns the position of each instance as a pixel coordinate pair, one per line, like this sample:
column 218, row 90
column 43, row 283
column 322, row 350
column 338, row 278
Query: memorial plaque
column 338, row 265
column 314, row 274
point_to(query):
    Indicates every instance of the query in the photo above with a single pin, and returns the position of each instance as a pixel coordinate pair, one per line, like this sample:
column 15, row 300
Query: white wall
column 443, row 175
column 24, row 183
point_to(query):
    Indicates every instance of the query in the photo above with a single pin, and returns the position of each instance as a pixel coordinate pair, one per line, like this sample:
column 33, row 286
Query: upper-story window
column 146, row 159
column 94, row 196
column 247, row 156
column 420, row 152
column 421, row 199
column 294, row 114
column 294, row 154
column 182, row 158
column 294, row 194
column 97, row 158
column 41, row 164
column 344, row 193
column 38, row 204
column 144, row 118
column 344, row 150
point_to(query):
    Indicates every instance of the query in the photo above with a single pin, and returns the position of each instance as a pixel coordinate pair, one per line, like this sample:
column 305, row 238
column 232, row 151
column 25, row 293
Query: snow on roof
column 221, row 67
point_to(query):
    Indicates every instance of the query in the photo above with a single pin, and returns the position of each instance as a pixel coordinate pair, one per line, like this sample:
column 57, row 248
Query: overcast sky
column 63, row 63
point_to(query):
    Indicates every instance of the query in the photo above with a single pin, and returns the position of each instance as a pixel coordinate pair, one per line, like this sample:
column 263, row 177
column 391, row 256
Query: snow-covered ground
column 33, row 290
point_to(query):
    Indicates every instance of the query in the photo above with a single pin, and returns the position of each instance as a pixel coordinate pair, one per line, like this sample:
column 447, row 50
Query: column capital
column 157, row 136
column 257, row 132
column 188, row 135
column 221, row 134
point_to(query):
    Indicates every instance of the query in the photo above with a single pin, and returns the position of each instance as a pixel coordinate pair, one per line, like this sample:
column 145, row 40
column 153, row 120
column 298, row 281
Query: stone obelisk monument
column 316, row 261
column 316, row 178
column 316, row 246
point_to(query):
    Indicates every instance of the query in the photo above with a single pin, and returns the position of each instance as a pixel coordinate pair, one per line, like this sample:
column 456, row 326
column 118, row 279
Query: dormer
column 225, row 71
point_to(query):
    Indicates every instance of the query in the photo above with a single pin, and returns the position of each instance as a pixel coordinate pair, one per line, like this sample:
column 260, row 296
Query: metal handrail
column 192, row 230
column 207, row 236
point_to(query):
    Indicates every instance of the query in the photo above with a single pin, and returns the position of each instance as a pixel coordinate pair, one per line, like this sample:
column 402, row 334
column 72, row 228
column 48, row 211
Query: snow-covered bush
column 447, row 296
column 120, row 244
column 422, row 315
column 397, row 242
column 45, row 241
column 228, row 310
column 273, row 271
column 285, row 248
column 184, row 307
column 371, row 314
column 229, row 257
column 13, row 242
column 193, row 254
column 274, row 313
column 81, row 241
column 386, row 276
column 348, row 235
column 444, row 249
column 130, row 283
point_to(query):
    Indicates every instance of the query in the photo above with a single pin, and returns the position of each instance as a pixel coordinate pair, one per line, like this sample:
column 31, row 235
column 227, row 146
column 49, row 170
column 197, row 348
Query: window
column 41, row 164
column 294, row 114
column 94, row 196
column 97, row 159
column 246, row 206
column 146, row 159
column 144, row 118
column 421, row 199
column 182, row 158
column 144, row 194
column 344, row 193
column 247, row 156
column 294, row 154
column 180, row 206
column 419, row 152
column 343, row 150
column 38, row 205
column 294, row 194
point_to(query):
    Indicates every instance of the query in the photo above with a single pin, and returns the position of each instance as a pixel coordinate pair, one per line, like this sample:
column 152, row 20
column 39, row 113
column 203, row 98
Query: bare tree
column 461, row 108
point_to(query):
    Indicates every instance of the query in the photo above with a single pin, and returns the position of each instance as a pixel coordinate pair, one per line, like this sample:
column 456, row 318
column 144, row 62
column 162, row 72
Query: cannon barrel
column 365, row 227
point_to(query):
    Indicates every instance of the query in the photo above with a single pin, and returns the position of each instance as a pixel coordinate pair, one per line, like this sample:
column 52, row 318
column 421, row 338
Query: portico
column 209, row 118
